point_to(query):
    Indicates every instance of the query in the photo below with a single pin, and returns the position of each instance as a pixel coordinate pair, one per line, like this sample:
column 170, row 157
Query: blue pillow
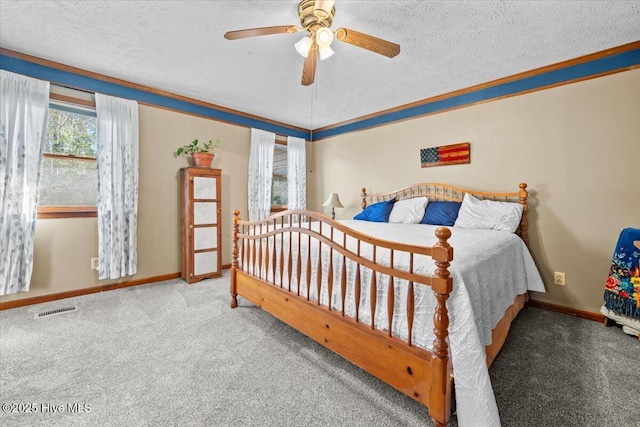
column 377, row 212
column 441, row 213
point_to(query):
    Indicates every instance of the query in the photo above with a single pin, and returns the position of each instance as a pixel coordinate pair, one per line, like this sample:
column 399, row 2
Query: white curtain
column 24, row 107
column 117, row 152
column 260, row 173
column 296, row 173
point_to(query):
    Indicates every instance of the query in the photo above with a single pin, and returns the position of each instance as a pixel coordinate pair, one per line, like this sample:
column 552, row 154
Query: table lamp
column 334, row 202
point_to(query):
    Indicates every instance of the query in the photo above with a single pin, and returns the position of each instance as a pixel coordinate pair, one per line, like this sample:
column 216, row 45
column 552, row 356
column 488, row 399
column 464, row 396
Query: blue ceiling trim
column 575, row 72
column 579, row 71
column 79, row 81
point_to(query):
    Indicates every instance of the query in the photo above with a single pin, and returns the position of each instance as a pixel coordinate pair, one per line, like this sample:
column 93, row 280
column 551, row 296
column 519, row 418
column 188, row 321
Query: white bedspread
column 489, row 269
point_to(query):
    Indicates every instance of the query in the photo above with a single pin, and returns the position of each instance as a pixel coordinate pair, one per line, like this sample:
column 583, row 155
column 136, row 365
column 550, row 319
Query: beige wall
column 576, row 146
column 63, row 247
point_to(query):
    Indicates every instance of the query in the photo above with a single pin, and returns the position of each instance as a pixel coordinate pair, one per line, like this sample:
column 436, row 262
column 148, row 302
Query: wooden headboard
column 437, row 191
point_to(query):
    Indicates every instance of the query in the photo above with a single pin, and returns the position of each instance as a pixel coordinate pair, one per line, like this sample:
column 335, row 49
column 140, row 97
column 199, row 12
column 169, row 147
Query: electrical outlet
column 559, row 278
column 94, row 263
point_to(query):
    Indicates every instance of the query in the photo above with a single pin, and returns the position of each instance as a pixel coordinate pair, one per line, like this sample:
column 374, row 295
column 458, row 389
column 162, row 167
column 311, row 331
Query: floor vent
column 54, row 312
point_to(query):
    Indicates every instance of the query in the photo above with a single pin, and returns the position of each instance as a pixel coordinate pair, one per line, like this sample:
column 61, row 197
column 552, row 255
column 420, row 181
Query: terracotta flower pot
column 202, row 160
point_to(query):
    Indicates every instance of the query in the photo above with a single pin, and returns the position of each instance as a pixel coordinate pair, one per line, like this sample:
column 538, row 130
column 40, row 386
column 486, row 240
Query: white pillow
column 487, row 214
column 408, row 211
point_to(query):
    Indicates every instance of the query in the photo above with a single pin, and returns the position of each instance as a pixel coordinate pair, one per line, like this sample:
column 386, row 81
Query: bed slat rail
column 390, row 296
column 263, row 257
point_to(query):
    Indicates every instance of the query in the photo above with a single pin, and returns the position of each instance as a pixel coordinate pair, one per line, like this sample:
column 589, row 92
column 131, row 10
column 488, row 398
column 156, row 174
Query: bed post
column 440, row 401
column 363, row 195
column 524, row 223
column 234, row 262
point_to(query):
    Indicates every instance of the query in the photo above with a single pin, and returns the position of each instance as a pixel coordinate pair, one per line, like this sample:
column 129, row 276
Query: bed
column 390, row 298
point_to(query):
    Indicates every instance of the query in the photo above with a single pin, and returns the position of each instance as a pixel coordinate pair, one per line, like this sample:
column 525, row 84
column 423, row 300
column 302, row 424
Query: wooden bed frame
column 425, row 376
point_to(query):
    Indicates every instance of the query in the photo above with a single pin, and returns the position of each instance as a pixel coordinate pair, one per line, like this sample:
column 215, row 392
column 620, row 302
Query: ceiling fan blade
column 264, row 31
column 365, row 41
column 309, row 67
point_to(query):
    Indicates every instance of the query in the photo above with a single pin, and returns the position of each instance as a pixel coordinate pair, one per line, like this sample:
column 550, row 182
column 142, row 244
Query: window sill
column 52, row 212
column 278, row 208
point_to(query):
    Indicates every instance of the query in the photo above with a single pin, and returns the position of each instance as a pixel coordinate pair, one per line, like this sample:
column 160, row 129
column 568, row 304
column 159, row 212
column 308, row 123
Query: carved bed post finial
column 363, row 195
column 523, row 194
column 440, row 408
column 234, row 262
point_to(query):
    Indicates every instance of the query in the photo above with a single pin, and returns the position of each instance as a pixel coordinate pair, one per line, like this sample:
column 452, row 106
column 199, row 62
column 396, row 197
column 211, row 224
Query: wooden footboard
column 273, row 267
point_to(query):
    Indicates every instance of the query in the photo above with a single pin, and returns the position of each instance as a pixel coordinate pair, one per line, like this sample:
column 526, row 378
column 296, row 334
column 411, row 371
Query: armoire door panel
column 204, row 188
column 205, row 238
column 205, row 263
column 205, row 213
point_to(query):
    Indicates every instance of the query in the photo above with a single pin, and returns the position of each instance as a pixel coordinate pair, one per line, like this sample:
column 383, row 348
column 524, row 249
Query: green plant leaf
column 195, row 147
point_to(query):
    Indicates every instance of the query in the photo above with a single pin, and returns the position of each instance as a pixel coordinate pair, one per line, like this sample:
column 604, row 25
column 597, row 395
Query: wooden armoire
column 201, row 228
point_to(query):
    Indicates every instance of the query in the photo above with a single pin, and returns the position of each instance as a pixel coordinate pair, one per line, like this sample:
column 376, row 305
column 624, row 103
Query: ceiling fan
column 316, row 17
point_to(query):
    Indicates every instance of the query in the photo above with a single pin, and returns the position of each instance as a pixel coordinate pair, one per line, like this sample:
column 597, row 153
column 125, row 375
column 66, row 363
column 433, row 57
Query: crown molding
column 77, row 78
column 598, row 64
column 609, row 61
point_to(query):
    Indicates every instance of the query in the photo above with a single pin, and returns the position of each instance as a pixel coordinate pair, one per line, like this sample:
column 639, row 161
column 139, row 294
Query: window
column 68, row 177
column 279, row 186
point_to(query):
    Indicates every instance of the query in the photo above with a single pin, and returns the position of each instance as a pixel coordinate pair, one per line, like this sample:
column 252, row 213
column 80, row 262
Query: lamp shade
column 324, row 37
column 303, row 46
column 325, row 52
column 333, row 201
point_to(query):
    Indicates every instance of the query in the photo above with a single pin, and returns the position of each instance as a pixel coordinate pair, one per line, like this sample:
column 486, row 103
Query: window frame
column 75, row 211
column 280, row 140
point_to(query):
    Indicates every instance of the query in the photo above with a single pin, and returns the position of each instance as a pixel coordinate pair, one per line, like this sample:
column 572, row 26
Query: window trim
column 69, row 156
column 278, row 208
column 280, row 140
column 72, row 100
column 62, row 211
column 52, row 212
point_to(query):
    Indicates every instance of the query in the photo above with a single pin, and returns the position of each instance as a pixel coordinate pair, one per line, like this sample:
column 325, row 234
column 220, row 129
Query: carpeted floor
column 176, row 354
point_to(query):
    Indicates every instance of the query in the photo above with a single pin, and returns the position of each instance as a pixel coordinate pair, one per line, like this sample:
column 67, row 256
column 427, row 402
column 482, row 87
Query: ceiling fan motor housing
column 309, row 20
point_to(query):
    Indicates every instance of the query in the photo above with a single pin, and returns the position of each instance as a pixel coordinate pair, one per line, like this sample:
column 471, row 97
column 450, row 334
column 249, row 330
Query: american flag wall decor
column 446, row 155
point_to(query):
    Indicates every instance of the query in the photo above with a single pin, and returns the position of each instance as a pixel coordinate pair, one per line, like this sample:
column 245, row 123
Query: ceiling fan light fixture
column 324, row 37
column 322, row 8
column 303, row 46
column 325, row 52
column 316, row 18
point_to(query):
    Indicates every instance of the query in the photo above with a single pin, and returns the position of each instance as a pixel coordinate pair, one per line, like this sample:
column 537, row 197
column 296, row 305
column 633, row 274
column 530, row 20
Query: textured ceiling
column 178, row 46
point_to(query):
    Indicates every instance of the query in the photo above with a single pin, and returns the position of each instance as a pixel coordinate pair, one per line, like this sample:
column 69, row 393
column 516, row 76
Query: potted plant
column 202, row 154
